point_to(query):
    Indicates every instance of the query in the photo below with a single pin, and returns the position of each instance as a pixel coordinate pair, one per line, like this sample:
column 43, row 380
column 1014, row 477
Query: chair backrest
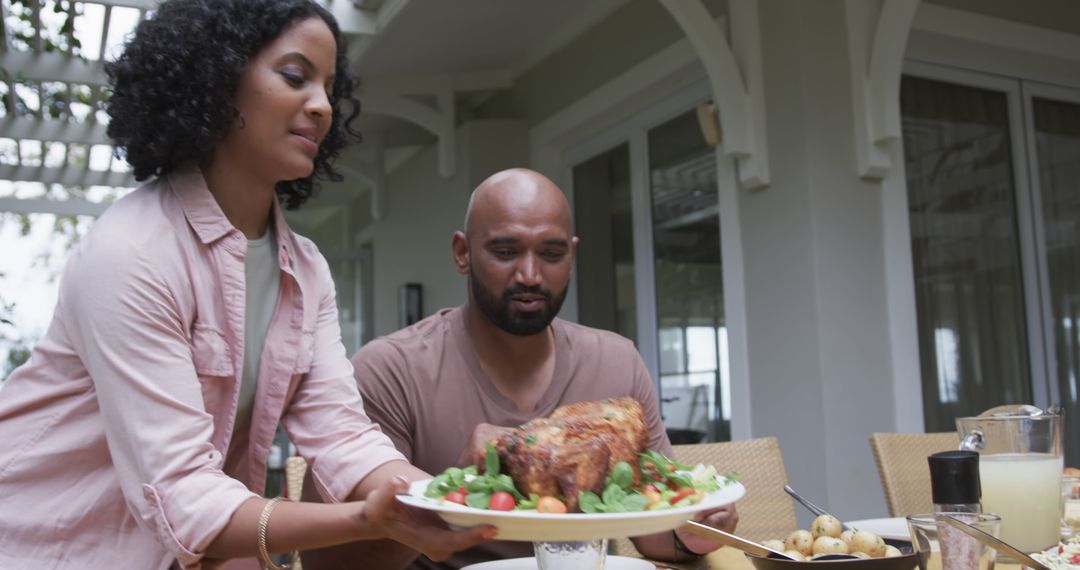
column 904, row 471
column 766, row 511
column 295, row 468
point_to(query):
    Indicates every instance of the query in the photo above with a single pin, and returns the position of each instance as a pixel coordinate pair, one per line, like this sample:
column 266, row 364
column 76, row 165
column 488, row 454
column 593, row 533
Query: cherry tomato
column 501, row 501
column 455, row 497
column 550, row 505
column 682, row 494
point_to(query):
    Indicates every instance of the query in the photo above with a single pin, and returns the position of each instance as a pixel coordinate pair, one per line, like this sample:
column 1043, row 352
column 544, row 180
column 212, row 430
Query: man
column 440, row 388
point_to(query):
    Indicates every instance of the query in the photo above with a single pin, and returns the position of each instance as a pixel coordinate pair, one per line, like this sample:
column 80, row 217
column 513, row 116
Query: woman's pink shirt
column 114, row 434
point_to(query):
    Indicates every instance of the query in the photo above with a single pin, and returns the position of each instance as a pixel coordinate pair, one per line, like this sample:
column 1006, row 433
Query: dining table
column 728, row 558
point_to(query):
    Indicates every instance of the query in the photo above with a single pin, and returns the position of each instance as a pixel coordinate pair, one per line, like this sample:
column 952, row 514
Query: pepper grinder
column 954, row 482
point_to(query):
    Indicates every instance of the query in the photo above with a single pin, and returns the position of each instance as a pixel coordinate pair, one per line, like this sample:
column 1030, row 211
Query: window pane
column 689, row 276
column 965, row 250
column 1057, row 139
column 603, row 221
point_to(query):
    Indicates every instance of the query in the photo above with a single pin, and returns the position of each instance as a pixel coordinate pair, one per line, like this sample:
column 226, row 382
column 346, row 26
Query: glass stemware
column 577, row 555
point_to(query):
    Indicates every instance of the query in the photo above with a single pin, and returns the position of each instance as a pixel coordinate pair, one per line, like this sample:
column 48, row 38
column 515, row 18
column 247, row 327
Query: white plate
column 895, row 528
column 611, row 563
column 547, row 527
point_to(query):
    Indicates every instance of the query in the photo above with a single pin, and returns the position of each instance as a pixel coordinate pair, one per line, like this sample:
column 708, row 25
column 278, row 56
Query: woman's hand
column 416, row 528
column 724, row 518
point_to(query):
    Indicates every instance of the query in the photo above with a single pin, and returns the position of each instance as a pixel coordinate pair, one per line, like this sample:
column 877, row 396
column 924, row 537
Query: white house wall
column 411, row 243
column 816, row 306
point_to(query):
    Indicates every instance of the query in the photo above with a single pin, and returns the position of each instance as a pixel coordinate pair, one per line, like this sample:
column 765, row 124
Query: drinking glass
column 1020, row 463
column 1070, row 507
column 580, row 555
column 942, row 547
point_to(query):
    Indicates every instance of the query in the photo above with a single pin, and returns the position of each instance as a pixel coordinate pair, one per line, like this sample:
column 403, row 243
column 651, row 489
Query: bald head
column 516, row 195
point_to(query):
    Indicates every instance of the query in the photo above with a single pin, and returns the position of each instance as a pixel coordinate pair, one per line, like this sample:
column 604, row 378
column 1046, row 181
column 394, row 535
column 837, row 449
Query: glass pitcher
column 1020, row 465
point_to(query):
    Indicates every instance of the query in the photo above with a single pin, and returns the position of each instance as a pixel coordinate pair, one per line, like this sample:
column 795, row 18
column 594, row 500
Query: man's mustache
column 523, row 290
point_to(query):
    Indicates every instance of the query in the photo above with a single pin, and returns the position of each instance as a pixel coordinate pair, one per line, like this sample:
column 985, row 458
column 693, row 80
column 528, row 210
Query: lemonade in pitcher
column 1024, row 489
column 1020, row 464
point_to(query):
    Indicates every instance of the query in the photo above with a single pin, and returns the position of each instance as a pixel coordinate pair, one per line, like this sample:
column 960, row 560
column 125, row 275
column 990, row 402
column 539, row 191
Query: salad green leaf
column 491, row 460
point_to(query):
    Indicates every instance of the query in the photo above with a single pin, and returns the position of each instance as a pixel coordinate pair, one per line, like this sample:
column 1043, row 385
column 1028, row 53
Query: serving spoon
column 814, row 508
column 749, row 546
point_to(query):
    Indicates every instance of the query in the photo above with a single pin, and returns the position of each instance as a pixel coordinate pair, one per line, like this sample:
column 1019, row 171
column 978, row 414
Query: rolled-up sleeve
column 125, row 323
column 326, row 418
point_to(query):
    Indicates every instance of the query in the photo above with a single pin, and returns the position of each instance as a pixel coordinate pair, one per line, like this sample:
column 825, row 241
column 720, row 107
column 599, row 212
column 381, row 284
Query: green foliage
column 18, row 351
column 47, row 26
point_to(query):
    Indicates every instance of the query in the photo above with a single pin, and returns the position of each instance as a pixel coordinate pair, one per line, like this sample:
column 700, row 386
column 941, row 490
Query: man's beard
column 518, row 323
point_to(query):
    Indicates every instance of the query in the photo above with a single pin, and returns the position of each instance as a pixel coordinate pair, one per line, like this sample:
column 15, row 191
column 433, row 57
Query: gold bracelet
column 264, row 520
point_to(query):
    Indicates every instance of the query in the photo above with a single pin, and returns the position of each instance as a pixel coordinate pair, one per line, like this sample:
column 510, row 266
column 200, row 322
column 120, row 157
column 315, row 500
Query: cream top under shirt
column 262, row 279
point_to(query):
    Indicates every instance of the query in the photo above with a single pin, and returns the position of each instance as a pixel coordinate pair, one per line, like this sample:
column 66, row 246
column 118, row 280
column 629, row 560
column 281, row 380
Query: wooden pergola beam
column 52, row 130
column 69, row 207
column 47, row 66
column 68, row 176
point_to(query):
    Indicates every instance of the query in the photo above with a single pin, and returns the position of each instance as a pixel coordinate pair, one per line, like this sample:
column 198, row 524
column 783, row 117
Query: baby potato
column 826, row 525
column 846, row 536
column 868, row 542
column 800, row 540
column 829, row 545
column 891, row 551
column 796, row 555
column 774, row 544
column 860, row 555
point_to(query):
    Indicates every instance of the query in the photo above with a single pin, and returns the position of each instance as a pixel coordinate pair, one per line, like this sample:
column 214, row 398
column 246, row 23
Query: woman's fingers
column 381, row 503
column 438, row 544
column 417, row 529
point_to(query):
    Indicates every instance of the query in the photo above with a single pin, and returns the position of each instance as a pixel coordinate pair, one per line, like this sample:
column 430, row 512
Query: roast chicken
column 574, row 448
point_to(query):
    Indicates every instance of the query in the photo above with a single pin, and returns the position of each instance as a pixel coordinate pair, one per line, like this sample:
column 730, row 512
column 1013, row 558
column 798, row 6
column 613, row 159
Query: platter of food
column 582, row 473
column 530, row 525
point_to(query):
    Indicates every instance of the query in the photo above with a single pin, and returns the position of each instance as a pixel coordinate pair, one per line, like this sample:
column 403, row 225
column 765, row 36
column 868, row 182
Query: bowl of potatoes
column 826, row 538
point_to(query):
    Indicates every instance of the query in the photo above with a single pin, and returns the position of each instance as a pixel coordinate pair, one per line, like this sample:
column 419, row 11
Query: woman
column 191, row 320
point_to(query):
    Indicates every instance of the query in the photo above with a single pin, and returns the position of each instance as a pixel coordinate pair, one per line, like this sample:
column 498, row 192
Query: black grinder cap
column 954, row 477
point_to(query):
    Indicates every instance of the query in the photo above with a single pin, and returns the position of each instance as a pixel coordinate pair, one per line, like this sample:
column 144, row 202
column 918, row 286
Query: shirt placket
column 275, row 370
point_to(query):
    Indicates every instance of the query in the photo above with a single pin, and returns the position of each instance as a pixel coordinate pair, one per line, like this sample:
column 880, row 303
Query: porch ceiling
column 52, row 123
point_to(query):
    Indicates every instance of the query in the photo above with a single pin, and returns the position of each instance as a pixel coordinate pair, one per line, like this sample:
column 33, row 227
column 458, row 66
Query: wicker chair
column 766, row 511
column 295, row 468
column 905, row 474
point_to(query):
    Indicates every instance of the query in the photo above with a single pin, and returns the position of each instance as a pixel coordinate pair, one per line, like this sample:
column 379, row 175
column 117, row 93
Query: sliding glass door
column 649, row 266
column 965, row 249
column 993, row 174
column 1055, row 120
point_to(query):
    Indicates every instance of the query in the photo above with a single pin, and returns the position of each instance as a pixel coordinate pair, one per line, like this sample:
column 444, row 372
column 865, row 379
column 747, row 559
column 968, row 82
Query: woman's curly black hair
column 173, row 87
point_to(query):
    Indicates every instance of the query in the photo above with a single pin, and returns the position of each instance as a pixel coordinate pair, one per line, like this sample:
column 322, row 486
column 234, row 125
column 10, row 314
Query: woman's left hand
column 416, row 528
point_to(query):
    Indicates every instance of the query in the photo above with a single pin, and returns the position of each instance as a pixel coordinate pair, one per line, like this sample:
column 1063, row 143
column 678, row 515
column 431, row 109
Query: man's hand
column 417, row 529
column 724, row 518
column 473, row 454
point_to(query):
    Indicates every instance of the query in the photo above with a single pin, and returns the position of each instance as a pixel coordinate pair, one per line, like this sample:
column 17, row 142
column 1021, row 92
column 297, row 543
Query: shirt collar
column 205, row 215
column 201, row 209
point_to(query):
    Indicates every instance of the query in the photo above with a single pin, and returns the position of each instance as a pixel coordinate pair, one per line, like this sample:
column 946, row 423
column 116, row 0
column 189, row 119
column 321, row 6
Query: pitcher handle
column 972, row 441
